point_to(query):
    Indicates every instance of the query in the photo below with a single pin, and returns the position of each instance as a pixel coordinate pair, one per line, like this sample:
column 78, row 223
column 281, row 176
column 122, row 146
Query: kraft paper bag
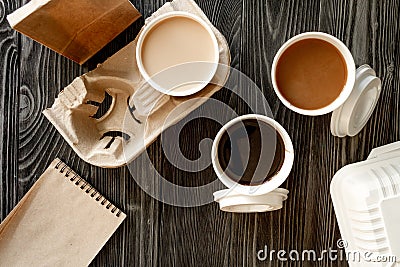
column 76, row 29
column 61, row 221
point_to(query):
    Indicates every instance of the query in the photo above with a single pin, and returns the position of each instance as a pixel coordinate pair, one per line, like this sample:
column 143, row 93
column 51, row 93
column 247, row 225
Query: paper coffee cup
column 351, row 71
column 273, row 182
column 177, row 58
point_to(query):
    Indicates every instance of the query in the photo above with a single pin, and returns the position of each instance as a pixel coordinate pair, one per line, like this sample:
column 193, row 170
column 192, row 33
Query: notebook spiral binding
column 86, row 187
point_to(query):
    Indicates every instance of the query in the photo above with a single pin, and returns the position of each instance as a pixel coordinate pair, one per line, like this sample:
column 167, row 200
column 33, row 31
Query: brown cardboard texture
column 77, row 29
column 95, row 140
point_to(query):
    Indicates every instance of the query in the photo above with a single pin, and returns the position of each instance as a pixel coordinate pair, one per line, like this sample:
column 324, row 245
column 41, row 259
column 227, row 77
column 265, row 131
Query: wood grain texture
column 157, row 234
column 9, row 81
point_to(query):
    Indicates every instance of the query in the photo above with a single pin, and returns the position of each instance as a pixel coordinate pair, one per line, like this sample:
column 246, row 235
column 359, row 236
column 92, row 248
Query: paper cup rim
column 274, row 181
column 351, row 70
column 147, row 28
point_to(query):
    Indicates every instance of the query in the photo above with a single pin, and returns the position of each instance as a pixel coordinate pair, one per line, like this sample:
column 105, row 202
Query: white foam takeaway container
column 366, row 199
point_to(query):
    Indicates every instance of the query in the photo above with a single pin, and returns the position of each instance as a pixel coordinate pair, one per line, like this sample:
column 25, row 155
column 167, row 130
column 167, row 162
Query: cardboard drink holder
column 129, row 114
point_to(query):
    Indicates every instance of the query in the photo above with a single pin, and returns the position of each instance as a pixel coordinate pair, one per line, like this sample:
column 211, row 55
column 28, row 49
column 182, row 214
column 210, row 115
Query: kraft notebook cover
column 61, row 221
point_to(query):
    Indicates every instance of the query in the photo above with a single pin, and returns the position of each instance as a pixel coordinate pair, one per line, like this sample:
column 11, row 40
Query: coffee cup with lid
column 352, row 106
column 265, row 194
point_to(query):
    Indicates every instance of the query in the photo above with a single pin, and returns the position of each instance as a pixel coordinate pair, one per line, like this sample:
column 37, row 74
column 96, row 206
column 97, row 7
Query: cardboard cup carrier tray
column 119, row 76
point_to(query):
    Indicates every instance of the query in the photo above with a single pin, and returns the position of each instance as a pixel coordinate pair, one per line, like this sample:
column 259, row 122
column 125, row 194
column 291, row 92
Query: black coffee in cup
column 251, row 152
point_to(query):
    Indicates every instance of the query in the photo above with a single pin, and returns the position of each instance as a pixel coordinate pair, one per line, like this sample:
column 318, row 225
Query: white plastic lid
column 351, row 117
column 232, row 201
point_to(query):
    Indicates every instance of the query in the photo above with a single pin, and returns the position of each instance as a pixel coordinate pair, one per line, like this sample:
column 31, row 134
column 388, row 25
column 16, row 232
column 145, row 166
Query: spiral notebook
column 61, row 221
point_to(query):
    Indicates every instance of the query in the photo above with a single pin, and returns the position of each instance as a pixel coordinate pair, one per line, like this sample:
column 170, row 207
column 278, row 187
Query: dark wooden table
column 156, row 234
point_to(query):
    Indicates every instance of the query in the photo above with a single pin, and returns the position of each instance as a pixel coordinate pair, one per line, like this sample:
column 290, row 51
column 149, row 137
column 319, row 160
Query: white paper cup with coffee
column 177, row 53
column 252, row 155
column 314, row 74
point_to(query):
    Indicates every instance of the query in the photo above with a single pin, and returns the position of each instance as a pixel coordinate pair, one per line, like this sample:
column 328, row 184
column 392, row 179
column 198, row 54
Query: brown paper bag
column 61, row 221
column 77, row 29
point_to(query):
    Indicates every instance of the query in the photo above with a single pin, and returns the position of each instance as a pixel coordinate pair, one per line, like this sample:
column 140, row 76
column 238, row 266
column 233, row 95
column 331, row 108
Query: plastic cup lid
column 351, row 117
column 232, row 201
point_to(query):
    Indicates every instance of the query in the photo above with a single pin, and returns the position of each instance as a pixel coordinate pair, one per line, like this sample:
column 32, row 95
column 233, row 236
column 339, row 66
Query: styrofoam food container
column 366, row 199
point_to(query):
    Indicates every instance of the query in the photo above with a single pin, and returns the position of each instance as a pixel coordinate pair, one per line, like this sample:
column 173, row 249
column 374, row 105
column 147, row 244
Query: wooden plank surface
column 157, row 234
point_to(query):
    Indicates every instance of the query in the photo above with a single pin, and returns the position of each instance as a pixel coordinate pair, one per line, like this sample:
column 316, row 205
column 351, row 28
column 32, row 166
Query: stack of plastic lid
column 351, row 117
